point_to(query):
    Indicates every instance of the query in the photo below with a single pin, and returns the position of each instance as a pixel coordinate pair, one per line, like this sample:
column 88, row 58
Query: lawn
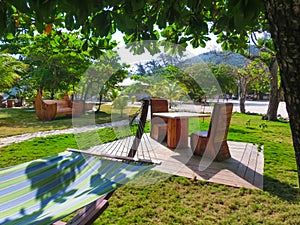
column 14, row 121
column 179, row 200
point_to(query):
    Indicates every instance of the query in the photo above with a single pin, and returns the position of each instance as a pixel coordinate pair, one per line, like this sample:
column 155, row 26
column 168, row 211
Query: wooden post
column 140, row 130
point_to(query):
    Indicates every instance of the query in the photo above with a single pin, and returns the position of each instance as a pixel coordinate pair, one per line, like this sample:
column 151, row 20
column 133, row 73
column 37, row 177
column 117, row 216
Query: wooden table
column 178, row 127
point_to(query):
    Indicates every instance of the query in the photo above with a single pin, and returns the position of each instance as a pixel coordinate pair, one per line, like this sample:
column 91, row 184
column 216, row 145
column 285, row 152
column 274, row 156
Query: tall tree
column 253, row 71
column 284, row 17
column 267, row 54
column 172, row 91
column 226, row 76
column 201, row 81
column 56, row 61
column 102, row 75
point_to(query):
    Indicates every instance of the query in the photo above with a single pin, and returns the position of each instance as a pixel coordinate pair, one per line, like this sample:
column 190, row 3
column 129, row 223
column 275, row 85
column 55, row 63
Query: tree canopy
column 55, row 61
column 179, row 22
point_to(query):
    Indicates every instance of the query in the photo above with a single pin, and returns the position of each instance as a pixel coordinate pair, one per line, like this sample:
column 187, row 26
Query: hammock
column 45, row 190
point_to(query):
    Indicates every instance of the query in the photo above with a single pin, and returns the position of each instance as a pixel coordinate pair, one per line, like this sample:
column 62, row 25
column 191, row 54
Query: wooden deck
column 243, row 169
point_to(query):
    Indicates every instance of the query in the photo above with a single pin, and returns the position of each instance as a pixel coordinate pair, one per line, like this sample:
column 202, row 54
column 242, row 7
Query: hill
column 215, row 57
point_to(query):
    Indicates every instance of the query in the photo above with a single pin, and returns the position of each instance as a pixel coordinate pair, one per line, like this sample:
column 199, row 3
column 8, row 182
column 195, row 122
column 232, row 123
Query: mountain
column 215, row 57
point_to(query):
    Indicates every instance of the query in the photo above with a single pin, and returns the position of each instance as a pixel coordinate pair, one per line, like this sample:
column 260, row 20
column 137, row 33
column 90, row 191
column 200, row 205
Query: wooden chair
column 159, row 125
column 214, row 141
column 19, row 102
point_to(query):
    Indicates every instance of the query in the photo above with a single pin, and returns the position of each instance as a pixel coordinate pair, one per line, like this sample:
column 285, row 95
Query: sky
column 211, row 45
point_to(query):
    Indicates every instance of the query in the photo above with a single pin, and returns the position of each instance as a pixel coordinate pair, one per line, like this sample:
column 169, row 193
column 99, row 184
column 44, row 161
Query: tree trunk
column 274, row 92
column 243, row 89
column 100, row 103
column 242, row 104
column 284, row 20
column 52, row 95
column 85, row 90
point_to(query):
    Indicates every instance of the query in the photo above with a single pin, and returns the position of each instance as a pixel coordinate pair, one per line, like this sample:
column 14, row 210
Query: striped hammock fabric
column 46, row 190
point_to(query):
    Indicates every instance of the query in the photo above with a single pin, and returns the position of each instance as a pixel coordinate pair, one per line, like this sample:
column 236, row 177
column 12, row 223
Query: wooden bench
column 49, row 109
column 159, row 125
column 213, row 142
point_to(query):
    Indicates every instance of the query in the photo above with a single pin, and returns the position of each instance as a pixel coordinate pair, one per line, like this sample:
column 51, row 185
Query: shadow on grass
column 238, row 130
column 281, row 190
column 98, row 118
column 62, row 117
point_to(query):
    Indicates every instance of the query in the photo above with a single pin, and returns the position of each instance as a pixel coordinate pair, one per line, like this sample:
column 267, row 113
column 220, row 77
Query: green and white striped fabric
column 46, row 190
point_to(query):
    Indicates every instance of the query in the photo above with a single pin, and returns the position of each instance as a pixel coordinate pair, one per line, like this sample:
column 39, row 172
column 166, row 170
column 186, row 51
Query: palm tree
column 172, row 91
column 10, row 70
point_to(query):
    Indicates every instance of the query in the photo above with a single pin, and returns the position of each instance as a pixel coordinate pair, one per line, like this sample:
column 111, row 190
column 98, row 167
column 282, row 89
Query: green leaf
column 127, row 25
column 85, row 45
column 77, row 24
column 10, row 36
column 137, row 4
column 39, row 26
column 21, row 6
column 69, row 21
column 53, row 43
column 102, row 23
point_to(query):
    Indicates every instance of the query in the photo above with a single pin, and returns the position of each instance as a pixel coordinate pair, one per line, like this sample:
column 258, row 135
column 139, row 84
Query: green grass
column 179, row 200
column 16, row 121
column 44, row 146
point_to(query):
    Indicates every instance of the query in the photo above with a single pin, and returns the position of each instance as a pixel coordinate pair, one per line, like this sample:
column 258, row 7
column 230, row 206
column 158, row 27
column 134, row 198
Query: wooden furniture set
column 173, row 127
column 49, row 109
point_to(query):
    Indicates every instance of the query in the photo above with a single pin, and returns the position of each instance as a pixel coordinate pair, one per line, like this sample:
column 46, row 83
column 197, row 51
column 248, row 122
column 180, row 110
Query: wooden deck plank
column 244, row 169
